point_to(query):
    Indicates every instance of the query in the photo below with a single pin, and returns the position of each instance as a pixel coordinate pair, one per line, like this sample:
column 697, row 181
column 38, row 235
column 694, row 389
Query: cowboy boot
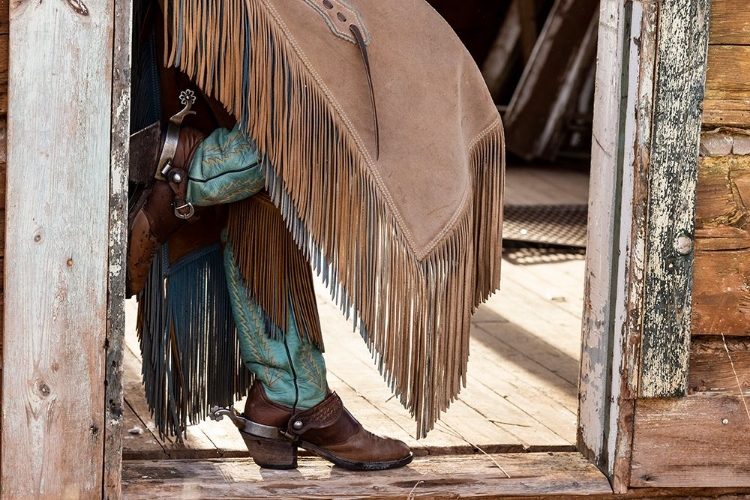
column 160, row 210
column 274, row 432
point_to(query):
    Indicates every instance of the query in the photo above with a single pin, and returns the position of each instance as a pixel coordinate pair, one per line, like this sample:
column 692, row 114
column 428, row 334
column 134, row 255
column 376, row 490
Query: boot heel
column 271, row 453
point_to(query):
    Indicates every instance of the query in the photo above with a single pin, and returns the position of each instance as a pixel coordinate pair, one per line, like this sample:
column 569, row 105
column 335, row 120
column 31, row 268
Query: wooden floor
column 523, row 370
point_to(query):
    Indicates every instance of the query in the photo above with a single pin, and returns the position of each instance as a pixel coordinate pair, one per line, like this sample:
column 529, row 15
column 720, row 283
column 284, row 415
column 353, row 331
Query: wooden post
column 114, row 403
column 673, row 174
column 58, row 218
column 608, row 212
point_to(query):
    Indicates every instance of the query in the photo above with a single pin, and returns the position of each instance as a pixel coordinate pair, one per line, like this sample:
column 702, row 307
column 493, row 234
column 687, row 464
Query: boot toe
column 364, row 451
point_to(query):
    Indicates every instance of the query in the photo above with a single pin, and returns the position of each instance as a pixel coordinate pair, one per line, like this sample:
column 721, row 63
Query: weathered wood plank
column 730, row 22
column 726, row 64
column 721, row 218
column 532, row 436
column 536, row 185
column 118, row 217
column 673, row 173
column 726, row 113
column 524, row 388
column 727, row 99
column 560, row 62
column 497, row 66
column 696, row 441
column 617, row 229
column 4, row 48
column 721, row 298
column 55, row 327
column 426, row 477
column 720, row 365
column 722, row 257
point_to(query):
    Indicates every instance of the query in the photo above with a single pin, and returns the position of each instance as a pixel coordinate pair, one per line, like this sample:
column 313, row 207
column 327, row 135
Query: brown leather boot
column 160, row 210
column 327, row 429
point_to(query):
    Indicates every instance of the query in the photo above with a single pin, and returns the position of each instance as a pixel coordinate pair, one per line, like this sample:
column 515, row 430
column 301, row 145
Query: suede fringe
column 414, row 311
column 276, row 272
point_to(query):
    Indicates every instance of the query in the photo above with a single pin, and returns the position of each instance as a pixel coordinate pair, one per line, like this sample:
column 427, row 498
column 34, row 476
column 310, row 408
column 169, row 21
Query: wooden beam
column 497, row 65
column 722, row 257
column 60, row 89
column 118, row 217
column 726, row 65
column 730, row 22
column 427, row 477
column 694, row 442
column 559, row 64
column 526, row 12
column 612, row 322
column 727, row 100
column 726, row 113
column 673, row 172
column 4, row 47
column 720, row 365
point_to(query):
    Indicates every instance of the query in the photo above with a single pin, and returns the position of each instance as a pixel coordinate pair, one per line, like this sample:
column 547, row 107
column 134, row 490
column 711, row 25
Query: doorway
column 522, row 390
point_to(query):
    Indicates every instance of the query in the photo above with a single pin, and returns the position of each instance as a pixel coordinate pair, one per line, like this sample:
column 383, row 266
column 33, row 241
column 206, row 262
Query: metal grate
column 559, row 225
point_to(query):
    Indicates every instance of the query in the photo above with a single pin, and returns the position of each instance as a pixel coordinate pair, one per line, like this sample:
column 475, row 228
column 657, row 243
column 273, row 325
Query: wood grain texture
column 730, row 22
column 727, row 90
column 726, row 113
column 118, row 217
column 56, row 250
column 727, row 99
column 724, row 74
column 696, row 441
column 721, row 299
column 615, row 273
column 426, row 477
column 560, row 63
column 719, row 366
column 497, row 66
column 673, row 173
column 4, row 47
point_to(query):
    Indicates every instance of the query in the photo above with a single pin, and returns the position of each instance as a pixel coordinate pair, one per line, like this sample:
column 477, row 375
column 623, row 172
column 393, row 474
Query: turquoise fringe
column 191, row 356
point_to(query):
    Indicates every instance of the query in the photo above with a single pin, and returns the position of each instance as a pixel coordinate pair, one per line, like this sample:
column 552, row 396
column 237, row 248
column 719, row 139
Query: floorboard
column 519, row 474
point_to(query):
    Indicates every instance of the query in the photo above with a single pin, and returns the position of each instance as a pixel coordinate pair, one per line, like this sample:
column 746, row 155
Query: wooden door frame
column 638, row 298
column 639, row 45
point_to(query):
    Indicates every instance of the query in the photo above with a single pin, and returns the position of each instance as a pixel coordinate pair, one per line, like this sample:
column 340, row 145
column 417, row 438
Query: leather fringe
column 413, row 311
column 274, row 268
column 191, row 356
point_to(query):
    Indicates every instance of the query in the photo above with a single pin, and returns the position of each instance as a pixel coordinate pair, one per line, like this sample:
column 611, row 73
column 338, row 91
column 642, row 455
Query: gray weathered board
column 530, row 474
column 120, row 135
column 673, row 173
column 57, row 244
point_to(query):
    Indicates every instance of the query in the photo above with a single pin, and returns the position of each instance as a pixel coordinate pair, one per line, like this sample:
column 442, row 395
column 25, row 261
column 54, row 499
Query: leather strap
column 177, row 179
column 322, row 415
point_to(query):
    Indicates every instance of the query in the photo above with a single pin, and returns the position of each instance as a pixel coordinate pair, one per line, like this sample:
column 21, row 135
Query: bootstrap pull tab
column 187, row 98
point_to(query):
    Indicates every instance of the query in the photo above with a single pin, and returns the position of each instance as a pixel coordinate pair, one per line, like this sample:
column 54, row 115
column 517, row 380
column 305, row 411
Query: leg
column 290, row 369
column 290, row 404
